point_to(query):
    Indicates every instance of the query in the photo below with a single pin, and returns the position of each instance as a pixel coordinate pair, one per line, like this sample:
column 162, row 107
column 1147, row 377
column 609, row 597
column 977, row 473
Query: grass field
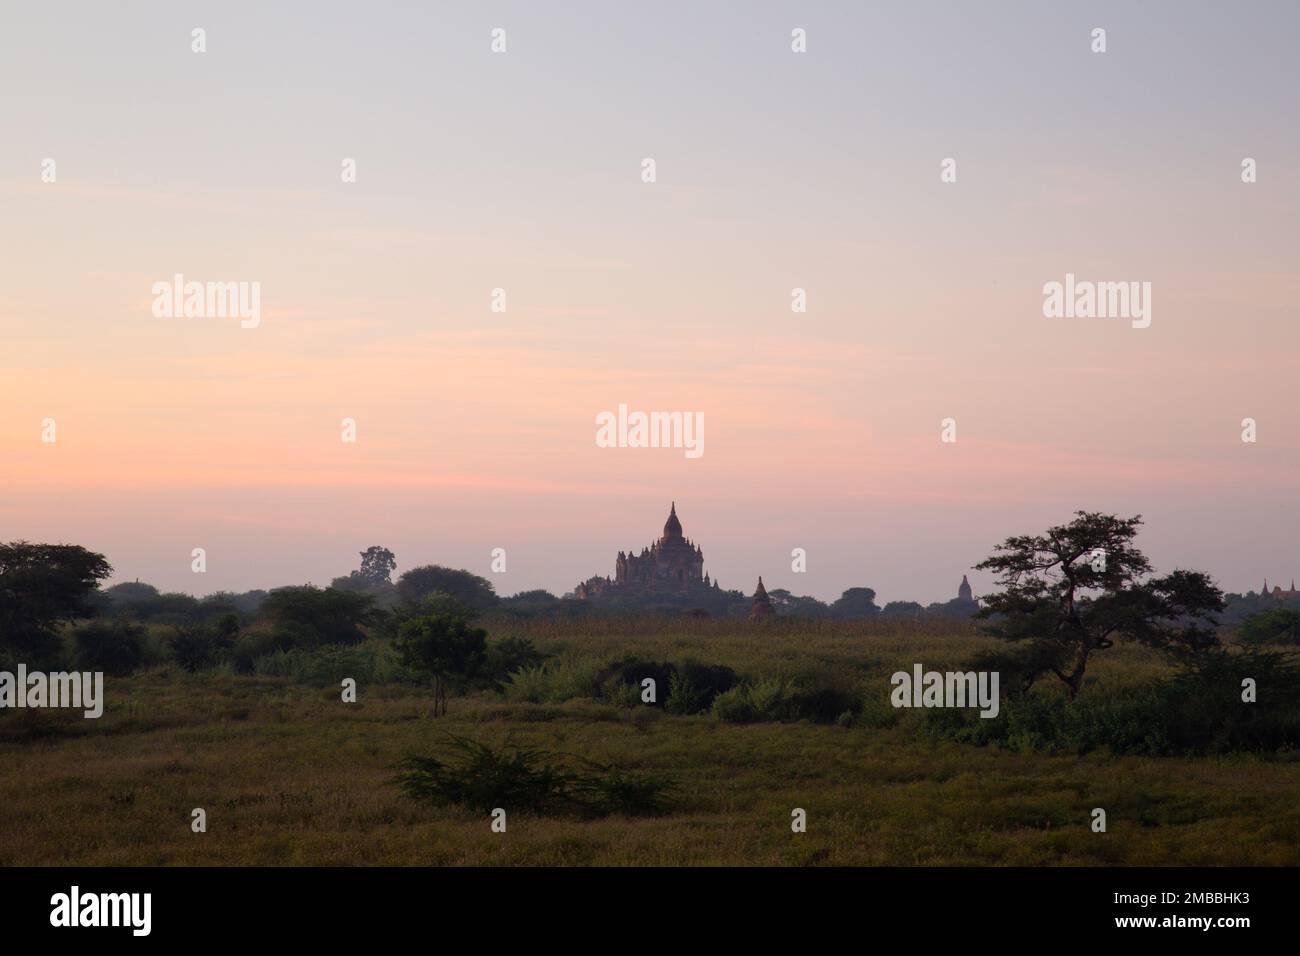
column 288, row 774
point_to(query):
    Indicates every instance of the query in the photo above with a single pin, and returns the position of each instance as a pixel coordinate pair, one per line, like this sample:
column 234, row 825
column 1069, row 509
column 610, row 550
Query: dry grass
column 290, row 775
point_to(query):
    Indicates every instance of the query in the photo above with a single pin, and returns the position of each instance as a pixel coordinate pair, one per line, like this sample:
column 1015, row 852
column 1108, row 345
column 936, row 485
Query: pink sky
column 476, row 429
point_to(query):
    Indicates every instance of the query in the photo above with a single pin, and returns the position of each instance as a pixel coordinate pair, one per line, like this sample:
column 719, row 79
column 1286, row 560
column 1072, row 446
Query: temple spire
column 762, row 603
column 672, row 527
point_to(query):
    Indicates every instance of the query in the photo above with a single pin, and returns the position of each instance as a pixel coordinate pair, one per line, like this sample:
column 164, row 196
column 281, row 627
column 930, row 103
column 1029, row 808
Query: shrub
column 693, row 686
column 734, row 706
column 309, row 616
column 572, row 677
column 556, row 681
column 708, row 679
column 825, row 705
column 249, row 648
column 485, row 779
column 507, row 656
column 321, row 666
column 194, row 649
column 1276, row 626
column 114, row 647
column 768, row 700
column 528, row 684
column 606, row 791
column 199, row 648
column 622, row 695
column 685, row 698
column 876, row 712
column 525, row 780
column 632, row 671
column 778, row 699
column 1198, row 712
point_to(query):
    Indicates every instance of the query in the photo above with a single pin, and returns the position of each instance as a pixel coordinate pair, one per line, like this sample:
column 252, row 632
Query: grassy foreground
column 288, row 774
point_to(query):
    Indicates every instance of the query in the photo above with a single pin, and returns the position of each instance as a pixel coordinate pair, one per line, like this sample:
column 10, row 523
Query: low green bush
column 114, row 647
column 529, row 781
column 1200, row 711
column 769, row 700
column 734, row 706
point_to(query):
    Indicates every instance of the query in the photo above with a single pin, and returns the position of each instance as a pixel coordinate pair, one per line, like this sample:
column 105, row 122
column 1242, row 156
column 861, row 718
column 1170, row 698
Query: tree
column 1078, row 588
column 856, row 602
column 43, row 586
column 469, row 589
column 309, row 616
column 444, row 645
column 795, row 605
column 114, row 647
column 377, row 565
column 198, row 647
column 531, row 603
column 902, row 609
column 1279, row 625
column 131, row 592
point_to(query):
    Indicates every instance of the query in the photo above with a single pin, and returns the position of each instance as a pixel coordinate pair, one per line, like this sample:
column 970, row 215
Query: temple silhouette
column 671, row 567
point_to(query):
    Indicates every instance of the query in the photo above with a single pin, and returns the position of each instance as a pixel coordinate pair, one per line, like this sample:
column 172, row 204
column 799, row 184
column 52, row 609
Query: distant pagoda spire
column 964, row 591
column 762, row 603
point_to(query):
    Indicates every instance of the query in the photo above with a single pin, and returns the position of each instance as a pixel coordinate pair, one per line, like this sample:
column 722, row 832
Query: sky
column 523, row 171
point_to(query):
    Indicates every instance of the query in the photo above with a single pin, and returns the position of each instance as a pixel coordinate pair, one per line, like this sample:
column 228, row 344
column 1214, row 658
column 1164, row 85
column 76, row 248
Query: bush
column 528, row 685
column 524, row 780
column 619, row 694
column 249, row 648
column 709, row 680
column 768, row 700
column 194, row 649
column 505, row 657
column 556, row 681
column 826, row 705
column 734, row 706
column 693, row 686
column 685, row 698
column 631, row 671
column 322, row 666
column 777, row 699
column 485, row 779
column 200, row 648
column 875, row 712
column 114, row 647
column 1276, row 626
column 606, row 791
column 310, row 617
column 1199, row 712
column 572, row 677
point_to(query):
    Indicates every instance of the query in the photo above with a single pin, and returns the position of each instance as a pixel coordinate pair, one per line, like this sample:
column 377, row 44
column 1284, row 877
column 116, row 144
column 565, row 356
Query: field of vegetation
column 288, row 773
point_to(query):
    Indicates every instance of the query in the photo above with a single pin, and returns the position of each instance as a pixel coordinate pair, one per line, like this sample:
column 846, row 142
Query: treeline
column 374, row 579
column 1066, row 597
column 54, row 616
